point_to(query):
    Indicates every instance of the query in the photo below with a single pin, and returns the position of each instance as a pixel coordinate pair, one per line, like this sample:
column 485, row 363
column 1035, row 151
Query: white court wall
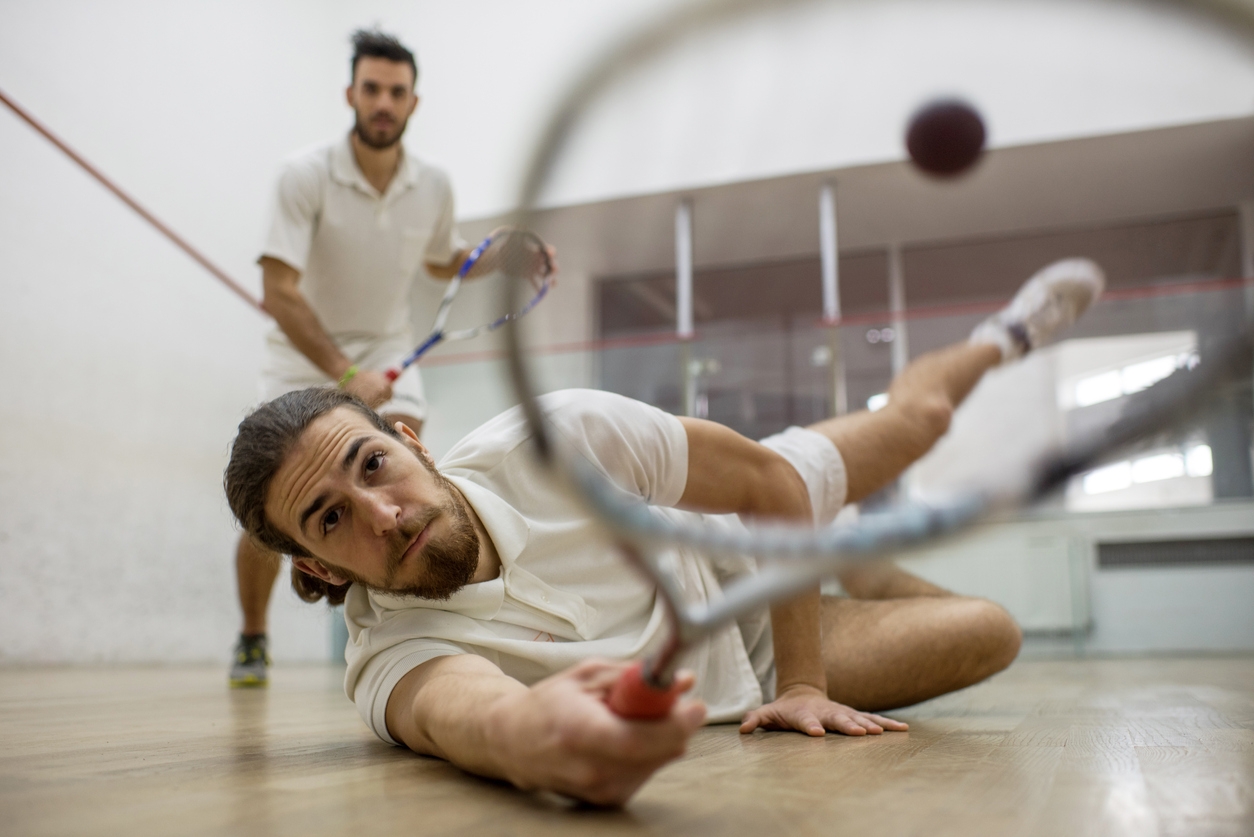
column 124, row 368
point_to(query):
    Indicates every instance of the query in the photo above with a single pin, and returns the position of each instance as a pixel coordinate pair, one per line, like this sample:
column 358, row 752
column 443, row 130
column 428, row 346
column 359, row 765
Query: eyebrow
column 353, row 449
column 318, row 503
column 350, row 456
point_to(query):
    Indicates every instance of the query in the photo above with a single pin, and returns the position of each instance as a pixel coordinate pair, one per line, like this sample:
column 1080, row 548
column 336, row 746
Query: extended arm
column 728, row 473
column 298, row 321
column 557, row 735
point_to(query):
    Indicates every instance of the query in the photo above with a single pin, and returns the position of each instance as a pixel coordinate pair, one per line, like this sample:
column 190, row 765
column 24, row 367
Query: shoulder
column 307, row 166
column 590, row 412
column 591, row 420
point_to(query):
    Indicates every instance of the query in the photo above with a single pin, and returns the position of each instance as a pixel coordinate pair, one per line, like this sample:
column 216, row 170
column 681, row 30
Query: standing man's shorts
column 287, row 370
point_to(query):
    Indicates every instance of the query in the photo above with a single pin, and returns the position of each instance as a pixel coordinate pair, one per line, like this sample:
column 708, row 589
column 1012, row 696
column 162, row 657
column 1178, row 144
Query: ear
column 413, row 106
column 409, row 437
column 314, row 567
column 350, row 97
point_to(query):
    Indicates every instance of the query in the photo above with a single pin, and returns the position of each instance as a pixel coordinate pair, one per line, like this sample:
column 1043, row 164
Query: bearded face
column 449, row 560
column 382, row 97
column 379, row 129
column 371, row 508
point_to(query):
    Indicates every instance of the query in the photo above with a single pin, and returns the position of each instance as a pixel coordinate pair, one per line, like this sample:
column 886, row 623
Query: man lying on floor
column 488, row 616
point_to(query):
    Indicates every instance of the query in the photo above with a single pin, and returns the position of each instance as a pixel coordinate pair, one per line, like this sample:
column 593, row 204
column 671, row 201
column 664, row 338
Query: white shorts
column 287, row 370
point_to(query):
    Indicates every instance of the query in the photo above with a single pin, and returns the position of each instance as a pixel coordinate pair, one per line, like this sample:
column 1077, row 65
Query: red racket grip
column 392, row 374
column 632, row 697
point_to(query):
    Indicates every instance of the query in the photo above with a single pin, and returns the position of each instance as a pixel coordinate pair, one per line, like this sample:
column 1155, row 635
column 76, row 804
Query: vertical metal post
column 683, row 270
column 829, row 256
column 901, row 340
column 828, row 253
column 683, row 302
column 1246, row 210
column 897, row 308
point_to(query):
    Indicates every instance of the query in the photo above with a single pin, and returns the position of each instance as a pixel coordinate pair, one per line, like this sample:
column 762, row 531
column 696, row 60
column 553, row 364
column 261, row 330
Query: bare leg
column 881, row 655
column 255, row 571
column 900, row 639
column 881, row 580
column 878, row 446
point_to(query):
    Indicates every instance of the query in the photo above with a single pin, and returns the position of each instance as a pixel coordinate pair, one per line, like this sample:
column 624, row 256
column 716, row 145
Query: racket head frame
column 439, row 334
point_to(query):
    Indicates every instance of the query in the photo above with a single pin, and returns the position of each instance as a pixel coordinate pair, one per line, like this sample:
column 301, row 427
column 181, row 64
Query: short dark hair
column 264, row 439
column 371, row 43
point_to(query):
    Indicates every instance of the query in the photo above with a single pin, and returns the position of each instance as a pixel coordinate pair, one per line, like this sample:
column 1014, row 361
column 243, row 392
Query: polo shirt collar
column 507, row 528
column 345, row 171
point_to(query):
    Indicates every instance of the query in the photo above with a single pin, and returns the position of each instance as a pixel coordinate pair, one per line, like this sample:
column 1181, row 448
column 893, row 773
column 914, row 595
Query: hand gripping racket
column 517, row 256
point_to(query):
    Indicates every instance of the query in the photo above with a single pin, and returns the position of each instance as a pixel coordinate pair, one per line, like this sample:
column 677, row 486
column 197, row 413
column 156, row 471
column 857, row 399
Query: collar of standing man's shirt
column 345, row 171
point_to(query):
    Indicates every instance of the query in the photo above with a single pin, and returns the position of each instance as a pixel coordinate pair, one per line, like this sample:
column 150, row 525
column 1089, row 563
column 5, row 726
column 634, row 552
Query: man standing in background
column 353, row 221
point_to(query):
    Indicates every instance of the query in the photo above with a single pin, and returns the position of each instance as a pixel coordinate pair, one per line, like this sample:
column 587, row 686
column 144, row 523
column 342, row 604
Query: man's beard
column 375, row 139
column 450, row 562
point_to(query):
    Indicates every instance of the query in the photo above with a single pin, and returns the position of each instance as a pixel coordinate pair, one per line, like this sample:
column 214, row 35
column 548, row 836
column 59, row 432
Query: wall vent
column 1190, row 553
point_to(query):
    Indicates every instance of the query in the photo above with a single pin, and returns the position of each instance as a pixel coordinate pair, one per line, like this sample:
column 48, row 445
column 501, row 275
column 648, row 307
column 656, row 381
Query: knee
column 996, row 637
column 928, row 418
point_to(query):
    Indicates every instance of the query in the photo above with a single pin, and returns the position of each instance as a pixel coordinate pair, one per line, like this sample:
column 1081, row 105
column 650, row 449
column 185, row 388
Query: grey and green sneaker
column 250, row 663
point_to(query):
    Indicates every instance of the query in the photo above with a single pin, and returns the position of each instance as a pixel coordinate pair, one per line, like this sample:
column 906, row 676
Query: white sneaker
column 1051, row 300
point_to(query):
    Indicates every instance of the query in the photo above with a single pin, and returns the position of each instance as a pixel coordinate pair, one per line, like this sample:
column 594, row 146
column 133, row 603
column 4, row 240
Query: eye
column 373, row 462
column 330, row 519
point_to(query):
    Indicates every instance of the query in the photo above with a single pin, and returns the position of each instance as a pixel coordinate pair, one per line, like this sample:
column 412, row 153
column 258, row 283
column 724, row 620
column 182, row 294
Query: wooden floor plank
column 1068, row 747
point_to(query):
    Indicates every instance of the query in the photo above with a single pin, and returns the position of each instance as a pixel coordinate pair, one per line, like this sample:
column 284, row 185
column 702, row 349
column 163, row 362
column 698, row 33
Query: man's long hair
column 264, row 440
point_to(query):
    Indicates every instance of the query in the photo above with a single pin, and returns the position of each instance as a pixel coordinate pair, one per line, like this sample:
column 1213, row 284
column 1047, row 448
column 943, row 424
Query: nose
column 381, row 514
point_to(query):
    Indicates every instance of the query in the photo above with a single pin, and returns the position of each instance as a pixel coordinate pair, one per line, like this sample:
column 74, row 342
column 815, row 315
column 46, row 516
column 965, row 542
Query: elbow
column 926, row 420
column 780, row 493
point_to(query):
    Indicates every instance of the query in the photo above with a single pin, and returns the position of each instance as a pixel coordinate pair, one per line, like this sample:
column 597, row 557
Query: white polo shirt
column 359, row 251
column 565, row 593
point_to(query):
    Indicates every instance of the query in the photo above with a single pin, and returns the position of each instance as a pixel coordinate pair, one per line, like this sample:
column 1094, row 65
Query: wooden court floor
column 1157, row 746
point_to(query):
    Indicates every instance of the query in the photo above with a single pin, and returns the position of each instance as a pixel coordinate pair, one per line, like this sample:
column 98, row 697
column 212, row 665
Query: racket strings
column 515, row 255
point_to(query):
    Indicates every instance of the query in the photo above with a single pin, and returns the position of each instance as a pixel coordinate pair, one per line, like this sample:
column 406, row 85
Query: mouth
column 417, row 544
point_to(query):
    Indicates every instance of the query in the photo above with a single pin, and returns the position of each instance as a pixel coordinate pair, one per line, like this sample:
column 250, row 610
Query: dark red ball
column 945, row 137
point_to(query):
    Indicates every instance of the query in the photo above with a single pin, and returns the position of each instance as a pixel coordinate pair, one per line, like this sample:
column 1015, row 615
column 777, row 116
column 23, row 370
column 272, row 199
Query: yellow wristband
column 348, row 375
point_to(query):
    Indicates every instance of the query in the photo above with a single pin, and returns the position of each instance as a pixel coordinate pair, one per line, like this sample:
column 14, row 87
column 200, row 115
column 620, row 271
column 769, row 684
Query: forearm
column 452, row 713
column 557, row 735
column 301, row 325
column 797, row 637
column 729, row 473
